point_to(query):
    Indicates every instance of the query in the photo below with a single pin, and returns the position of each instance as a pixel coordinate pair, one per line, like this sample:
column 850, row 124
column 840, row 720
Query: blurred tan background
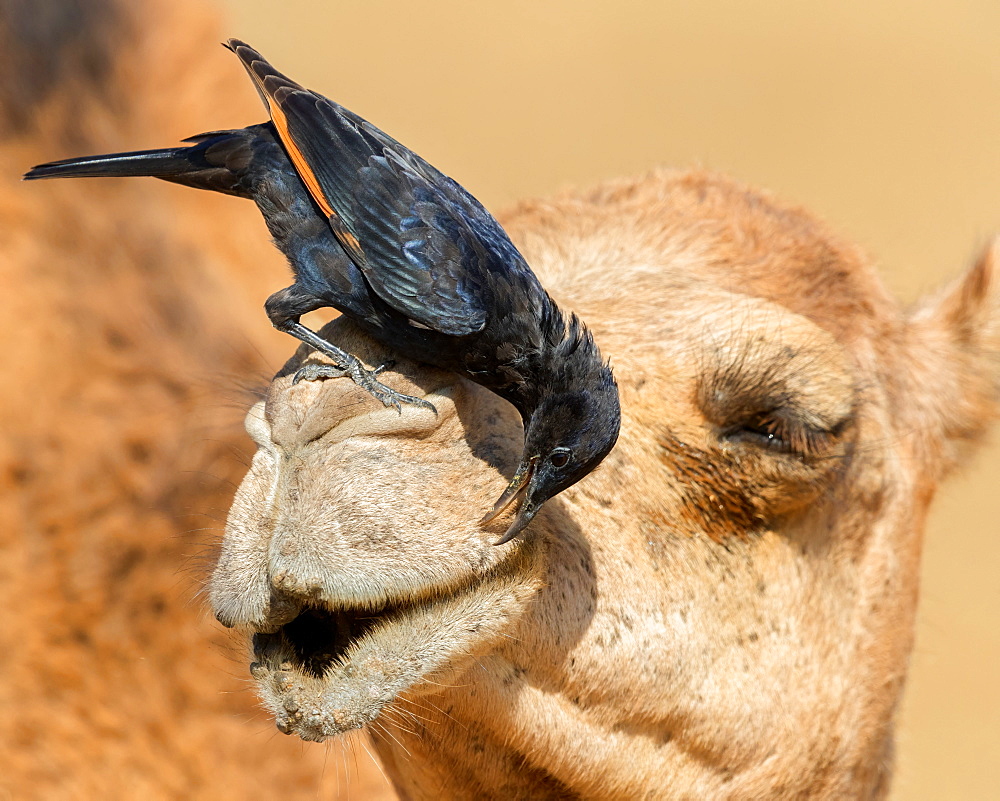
column 882, row 117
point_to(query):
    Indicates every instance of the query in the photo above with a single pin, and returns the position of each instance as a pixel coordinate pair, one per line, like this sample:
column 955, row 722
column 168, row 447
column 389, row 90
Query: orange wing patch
column 345, row 237
column 301, row 165
column 350, row 241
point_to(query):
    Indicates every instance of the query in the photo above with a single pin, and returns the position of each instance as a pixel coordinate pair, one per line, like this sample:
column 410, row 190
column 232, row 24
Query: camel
column 725, row 609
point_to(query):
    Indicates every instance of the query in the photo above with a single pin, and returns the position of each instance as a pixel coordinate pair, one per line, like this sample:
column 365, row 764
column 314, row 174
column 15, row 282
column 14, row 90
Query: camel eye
column 559, row 457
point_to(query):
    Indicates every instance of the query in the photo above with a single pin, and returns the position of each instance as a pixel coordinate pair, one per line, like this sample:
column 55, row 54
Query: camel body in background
column 133, row 328
column 724, row 610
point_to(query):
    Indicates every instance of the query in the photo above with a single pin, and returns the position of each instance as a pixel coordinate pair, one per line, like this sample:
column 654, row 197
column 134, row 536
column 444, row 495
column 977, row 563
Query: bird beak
column 516, row 489
column 523, row 517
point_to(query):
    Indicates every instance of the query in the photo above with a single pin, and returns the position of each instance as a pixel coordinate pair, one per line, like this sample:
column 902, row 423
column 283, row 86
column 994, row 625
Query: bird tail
column 165, row 163
column 217, row 161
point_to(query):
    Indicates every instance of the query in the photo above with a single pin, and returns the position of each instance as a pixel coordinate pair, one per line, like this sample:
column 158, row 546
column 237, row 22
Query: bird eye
column 559, row 457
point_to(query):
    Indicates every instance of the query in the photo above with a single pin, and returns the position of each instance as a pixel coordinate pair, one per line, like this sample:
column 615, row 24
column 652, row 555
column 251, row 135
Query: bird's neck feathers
column 570, row 359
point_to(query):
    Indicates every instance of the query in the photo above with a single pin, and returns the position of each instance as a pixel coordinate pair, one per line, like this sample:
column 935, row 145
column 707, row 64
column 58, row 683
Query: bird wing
column 386, row 206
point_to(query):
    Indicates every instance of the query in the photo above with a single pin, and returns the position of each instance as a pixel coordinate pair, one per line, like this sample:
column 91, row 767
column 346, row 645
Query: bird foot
column 365, row 379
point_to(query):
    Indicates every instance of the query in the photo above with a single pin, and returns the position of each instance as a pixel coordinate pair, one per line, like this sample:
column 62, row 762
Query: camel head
column 723, row 609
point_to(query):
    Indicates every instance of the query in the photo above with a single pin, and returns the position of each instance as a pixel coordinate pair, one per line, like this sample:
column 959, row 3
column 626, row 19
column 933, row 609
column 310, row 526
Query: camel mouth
column 333, row 668
column 317, row 639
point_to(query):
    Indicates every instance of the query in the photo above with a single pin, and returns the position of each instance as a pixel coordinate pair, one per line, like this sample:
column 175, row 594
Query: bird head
column 566, row 437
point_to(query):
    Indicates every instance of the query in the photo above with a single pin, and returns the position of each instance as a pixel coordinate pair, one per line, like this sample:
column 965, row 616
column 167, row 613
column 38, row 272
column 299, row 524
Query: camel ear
column 955, row 356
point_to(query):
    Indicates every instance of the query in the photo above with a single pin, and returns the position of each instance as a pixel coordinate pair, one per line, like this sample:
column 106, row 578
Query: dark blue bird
column 373, row 230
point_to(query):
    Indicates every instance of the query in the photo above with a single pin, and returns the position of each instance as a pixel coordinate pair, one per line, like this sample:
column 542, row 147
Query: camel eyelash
column 774, row 431
column 752, row 401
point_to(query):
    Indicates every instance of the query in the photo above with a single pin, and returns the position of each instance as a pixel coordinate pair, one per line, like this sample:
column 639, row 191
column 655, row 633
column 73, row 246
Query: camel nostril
column 289, row 582
column 293, row 583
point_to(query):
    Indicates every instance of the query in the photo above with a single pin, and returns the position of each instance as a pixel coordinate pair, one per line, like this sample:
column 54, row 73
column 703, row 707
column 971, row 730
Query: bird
column 373, row 230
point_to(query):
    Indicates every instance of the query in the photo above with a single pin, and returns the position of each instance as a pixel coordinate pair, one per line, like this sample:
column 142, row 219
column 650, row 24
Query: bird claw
column 317, row 372
column 365, row 379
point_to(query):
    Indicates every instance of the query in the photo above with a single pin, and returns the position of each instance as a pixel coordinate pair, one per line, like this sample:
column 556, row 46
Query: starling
column 373, row 230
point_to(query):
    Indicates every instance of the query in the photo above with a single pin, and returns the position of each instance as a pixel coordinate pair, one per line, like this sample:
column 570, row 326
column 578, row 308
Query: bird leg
column 346, row 365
